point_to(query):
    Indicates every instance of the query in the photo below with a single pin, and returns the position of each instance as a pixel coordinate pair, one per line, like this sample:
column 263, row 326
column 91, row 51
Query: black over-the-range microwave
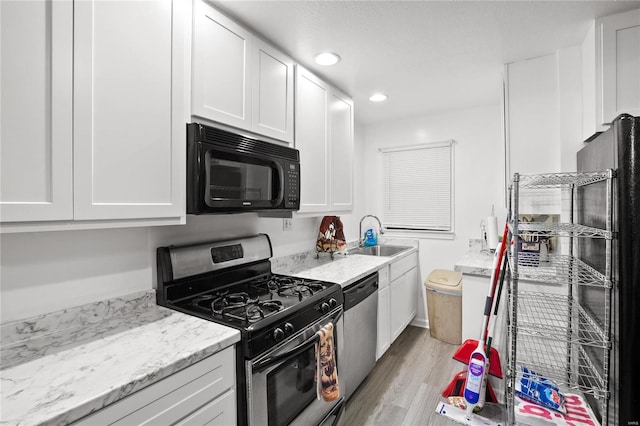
column 228, row 172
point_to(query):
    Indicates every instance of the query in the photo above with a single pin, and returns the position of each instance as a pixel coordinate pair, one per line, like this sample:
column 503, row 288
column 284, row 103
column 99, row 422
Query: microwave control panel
column 292, row 185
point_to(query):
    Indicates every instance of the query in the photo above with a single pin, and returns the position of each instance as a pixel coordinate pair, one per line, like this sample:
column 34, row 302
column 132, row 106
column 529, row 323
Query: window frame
column 428, row 233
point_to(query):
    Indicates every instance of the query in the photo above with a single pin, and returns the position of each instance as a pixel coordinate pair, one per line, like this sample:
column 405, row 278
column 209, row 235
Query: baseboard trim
column 422, row 323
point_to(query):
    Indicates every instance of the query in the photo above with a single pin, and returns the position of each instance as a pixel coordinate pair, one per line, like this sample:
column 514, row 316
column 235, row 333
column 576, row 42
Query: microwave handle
column 282, row 184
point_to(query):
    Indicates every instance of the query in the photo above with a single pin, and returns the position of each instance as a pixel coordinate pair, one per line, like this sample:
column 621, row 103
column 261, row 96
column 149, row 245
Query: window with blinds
column 418, row 187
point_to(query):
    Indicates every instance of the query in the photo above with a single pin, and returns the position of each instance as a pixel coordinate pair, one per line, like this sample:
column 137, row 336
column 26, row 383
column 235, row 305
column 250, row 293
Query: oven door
column 281, row 387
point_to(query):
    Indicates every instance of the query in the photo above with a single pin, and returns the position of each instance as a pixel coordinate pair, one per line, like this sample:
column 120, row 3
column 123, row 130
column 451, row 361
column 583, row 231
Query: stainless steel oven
column 282, row 383
column 278, row 316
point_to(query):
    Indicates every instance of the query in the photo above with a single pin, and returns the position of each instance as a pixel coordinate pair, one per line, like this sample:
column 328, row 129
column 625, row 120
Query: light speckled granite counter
column 476, row 261
column 57, row 368
column 343, row 269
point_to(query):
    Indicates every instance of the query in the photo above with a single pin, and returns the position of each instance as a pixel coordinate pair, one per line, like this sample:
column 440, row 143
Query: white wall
column 479, row 176
column 46, row 271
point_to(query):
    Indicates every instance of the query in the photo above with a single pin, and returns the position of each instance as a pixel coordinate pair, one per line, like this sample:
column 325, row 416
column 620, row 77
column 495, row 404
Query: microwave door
column 241, row 182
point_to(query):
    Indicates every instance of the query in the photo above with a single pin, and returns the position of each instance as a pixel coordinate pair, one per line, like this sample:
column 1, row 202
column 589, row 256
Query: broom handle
column 494, row 277
column 495, row 270
column 488, row 301
column 497, row 304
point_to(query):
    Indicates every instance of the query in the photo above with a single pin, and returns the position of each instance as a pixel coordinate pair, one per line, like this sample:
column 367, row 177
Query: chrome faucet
column 381, row 228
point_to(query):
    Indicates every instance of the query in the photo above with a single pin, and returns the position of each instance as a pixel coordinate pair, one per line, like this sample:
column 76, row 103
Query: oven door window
column 291, row 387
column 234, row 179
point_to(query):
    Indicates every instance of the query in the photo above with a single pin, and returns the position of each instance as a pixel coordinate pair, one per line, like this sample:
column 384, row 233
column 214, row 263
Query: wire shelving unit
column 548, row 330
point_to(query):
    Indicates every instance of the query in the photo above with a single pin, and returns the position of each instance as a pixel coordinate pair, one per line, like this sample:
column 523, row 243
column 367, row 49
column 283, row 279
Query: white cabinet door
column 272, row 99
column 221, row 87
column 312, row 140
column 36, row 131
column 324, row 137
column 126, row 164
column 620, row 35
column 403, row 302
column 384, row 324
column 341, row 137
column 201, row 393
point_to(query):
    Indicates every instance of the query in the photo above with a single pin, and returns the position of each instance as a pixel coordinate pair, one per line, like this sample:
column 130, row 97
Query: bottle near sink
column 370, row 237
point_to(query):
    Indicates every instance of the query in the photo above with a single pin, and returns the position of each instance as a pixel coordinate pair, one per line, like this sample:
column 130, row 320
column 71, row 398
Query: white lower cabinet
column 403, row 301
column 384, row 313
column 396, row 300
column 204, row 393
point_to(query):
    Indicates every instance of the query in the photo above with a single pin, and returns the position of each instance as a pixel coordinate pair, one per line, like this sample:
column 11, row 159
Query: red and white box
column 578, row 413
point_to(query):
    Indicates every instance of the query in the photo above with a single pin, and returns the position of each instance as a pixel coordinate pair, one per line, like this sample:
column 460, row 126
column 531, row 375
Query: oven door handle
column 260, row 366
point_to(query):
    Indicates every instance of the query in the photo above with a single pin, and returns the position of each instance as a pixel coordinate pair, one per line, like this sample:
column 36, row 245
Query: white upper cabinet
column 324, row 137
column 125, row 164
column 620, row 64
column 272, row 112
column 35, row 114
column 93, row 120
column 611, row 66
column 238, row 79
column 221, row 88
column 312, row 140
column 341, row 149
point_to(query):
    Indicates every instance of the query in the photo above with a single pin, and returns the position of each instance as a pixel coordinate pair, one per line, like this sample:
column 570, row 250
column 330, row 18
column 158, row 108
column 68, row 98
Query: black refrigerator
column 617, row 148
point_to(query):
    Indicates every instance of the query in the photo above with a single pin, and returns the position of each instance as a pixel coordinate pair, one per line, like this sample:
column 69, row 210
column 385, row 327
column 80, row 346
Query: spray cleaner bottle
column 475, row 377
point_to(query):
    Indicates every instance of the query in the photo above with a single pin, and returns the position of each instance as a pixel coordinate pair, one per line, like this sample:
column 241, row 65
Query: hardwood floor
column 406, row 383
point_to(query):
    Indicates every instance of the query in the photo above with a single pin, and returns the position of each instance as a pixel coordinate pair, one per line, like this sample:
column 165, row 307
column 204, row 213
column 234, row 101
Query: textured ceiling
column 427, row 56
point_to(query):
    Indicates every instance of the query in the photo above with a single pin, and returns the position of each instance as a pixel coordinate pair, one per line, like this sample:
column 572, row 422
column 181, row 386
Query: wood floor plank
column 405, row 386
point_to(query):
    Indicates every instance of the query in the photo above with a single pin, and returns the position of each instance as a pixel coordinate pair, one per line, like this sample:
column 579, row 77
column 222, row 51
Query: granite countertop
column 57, row 368
column 343, row 269
column 60, row 367
column 477, row 261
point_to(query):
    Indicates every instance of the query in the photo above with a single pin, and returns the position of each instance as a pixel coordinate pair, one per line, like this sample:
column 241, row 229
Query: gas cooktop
column 245, row 304
column 230, row 282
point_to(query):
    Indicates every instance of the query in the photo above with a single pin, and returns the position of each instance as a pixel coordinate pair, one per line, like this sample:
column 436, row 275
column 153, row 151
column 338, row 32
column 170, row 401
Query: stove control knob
column 324, row 308
column 278, row 334
column 288, row 329
column 333, row 303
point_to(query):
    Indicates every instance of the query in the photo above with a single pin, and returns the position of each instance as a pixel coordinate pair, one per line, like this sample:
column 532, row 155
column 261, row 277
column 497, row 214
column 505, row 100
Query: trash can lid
column 444, row 279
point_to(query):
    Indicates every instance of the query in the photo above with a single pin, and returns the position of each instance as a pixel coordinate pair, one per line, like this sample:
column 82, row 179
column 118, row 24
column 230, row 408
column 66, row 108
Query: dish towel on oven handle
column 326, row 368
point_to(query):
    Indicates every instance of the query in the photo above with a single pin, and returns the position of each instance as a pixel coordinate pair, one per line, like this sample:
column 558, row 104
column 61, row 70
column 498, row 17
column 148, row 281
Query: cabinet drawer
column 220, row 412
column 383, row 277
column 173, row 398
column 400, row 267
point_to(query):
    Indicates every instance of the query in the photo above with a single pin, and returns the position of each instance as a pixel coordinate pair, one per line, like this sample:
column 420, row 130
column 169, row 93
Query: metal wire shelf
column 558, row 180
column 561, row 230
column 558, row 269
column 551, row 362
column 543, row 316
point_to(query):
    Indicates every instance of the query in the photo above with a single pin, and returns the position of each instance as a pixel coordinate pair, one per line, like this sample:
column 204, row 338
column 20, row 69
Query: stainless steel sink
column 379, row 250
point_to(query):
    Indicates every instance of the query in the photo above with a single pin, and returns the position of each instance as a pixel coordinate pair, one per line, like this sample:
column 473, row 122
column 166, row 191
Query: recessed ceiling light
column 327, row 58
column 378, row 97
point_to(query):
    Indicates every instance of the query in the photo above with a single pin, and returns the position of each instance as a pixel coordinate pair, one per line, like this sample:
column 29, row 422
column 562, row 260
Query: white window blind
column 418, row 187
